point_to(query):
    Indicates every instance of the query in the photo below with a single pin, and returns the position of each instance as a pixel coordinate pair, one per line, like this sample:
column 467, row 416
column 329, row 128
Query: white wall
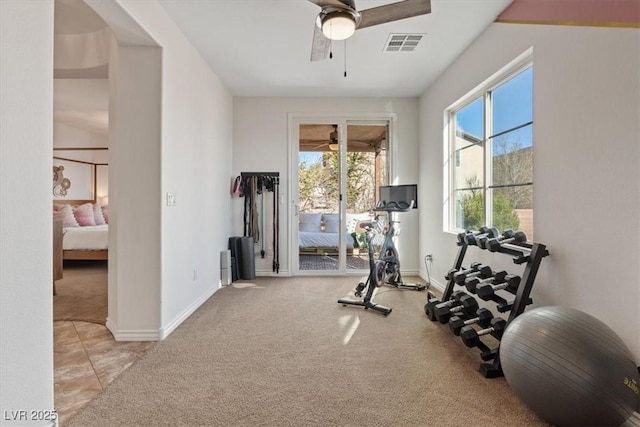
column 135, row 196
column 195, row 165
column 260, row 134
column 81, row 177
column 69, row 136
column 586, row 174
column 81, row 174
column 26, row 112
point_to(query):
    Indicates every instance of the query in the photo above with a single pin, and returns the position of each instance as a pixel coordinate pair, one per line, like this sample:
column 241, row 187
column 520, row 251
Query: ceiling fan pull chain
column 331, row 41
column 345, row 57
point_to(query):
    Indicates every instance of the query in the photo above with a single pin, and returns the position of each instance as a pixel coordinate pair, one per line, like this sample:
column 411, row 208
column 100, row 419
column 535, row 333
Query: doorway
column 339, row 166
column 81, row 161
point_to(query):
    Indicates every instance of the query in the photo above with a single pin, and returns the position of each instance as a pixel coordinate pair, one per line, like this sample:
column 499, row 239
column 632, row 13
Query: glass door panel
column 366, row 170
column 319, row 247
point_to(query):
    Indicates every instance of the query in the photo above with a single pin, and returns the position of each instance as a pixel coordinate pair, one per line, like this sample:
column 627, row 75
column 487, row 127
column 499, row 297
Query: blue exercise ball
column 570, row 368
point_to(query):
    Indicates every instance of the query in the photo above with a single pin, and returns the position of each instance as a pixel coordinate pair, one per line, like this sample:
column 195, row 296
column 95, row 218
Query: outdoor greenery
column 360, row 240
column 472, row 208
column 504, row 215
column 319, row 187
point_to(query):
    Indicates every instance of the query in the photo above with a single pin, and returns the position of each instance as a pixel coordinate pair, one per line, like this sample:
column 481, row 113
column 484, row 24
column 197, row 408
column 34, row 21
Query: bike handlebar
column 399, row 206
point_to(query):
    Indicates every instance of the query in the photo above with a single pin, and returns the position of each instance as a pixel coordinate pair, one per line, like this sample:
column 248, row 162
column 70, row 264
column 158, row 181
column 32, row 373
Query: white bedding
column 314, row 239
column 92, row 237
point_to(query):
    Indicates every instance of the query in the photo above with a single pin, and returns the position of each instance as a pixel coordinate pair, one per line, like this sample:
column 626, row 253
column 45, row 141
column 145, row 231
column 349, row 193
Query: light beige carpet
column 81, row 295
column 282, row 352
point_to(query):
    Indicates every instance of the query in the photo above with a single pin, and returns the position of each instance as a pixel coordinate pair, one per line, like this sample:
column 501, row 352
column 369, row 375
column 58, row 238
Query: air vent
column 402, row 42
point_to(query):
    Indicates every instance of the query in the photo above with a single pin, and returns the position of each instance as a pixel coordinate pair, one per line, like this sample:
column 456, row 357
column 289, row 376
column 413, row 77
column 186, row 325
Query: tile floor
column 86, row 359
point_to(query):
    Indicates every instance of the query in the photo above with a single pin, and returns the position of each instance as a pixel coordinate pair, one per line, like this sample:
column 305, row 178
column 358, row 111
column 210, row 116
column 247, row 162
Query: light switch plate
column 171, row 199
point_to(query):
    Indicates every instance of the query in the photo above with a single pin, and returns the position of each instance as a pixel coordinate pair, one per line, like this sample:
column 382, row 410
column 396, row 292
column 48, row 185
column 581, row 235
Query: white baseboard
column 434, row 283
column 271, row 273
column 165, row 331
column 157, row 334
column 286, row 273
column 410, row 273
column 132, row 334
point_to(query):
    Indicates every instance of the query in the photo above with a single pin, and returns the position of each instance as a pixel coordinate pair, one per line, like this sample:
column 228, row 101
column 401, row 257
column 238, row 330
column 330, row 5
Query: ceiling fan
column 361, row 139
column 331, row 142
column 339, row 19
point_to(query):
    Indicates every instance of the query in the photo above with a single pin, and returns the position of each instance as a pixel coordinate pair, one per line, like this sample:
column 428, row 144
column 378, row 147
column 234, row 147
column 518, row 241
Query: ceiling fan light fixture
column 334, row 146
column 338, row 25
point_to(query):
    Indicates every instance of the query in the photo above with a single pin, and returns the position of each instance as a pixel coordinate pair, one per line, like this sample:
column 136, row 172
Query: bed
column 319, row 232
column 85, row 232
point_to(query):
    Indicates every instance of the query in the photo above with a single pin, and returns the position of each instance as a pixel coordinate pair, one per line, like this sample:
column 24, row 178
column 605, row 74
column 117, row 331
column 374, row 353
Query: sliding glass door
column 340, row 166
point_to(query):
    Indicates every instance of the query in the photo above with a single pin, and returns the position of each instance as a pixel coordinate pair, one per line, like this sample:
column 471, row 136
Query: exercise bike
column 389, row 261
column 385, row 270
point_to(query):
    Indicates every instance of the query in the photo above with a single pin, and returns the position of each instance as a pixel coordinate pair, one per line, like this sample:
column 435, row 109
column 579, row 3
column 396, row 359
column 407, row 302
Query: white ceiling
column 262, row 47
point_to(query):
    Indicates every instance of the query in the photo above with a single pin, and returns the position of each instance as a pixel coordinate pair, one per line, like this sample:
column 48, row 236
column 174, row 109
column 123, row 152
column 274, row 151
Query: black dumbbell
column 432, row 301
column 477, row 269
column 472, row 238
column 494, row 244
column 430, row 304
column 462, row 237
column 482, row 241
column 471, row 337
column 466, row 305
column 483, row 319
column 450, row 273
column 471, row 283
column 487, row 291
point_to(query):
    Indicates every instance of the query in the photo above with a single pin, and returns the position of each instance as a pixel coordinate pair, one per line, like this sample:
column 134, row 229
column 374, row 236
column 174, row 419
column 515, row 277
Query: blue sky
column 512, row 106
column 309, row 157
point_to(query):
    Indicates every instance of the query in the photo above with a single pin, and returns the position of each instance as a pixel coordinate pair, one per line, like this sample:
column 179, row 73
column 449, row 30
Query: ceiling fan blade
column 321, row 145
column 320, row 46
column 394, row 12
column 337, row 3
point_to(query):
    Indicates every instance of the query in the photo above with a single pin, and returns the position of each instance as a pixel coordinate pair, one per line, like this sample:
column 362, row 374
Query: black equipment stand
column 254, row 184
column 529, row 254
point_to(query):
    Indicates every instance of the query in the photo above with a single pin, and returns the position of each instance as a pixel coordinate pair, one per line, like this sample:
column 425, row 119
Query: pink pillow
column 66, row 215
column 84, row 214
column 97, row 215
column 105, row 214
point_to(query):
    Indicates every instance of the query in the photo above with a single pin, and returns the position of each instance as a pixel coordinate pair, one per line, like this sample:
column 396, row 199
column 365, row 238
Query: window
column 491, row 153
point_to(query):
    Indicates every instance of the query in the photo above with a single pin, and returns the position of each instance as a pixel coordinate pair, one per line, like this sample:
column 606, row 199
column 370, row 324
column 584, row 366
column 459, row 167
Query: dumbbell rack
column 531, row 255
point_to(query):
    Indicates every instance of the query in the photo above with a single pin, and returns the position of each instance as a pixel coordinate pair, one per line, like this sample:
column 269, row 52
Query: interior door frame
column 342, row 120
